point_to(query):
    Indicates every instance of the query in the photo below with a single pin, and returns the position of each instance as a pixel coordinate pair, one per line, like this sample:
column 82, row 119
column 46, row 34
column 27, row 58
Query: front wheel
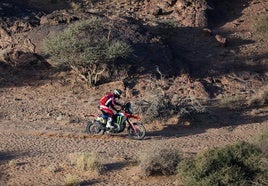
column 95, row 128
column 139, row 133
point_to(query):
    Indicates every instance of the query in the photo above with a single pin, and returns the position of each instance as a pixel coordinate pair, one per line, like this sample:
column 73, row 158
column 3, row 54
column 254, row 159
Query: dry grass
column 12, row 163
column 233, row 102
column 158, row 160
column 74, row 5
column 53, row 168
column 262, row 142
column 71, row 180
column 260, row 97
column 87, row 162
column 261, row 25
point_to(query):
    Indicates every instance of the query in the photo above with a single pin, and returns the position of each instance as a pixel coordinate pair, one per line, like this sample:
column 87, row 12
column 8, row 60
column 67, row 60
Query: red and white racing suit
column 106, row 103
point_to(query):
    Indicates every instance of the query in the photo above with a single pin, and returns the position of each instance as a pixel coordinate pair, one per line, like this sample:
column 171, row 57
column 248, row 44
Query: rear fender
column 101, row 120
column 135, row 117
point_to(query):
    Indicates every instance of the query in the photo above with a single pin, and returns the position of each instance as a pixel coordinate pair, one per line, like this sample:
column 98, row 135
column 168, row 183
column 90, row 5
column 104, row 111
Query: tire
column 94, row 128
column 140, row 134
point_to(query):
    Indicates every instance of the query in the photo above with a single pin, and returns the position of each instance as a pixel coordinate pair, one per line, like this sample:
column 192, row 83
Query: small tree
column 86, row 47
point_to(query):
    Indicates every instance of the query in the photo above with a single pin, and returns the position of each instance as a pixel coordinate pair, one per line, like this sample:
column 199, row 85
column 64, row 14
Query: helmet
column 118, row 93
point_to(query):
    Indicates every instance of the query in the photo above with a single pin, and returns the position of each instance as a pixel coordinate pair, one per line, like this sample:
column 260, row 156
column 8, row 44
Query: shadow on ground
column 221, row 12
column 6, row 157
column 90, row 182
column 115, row 166
column 31, row 70
column 215, row 118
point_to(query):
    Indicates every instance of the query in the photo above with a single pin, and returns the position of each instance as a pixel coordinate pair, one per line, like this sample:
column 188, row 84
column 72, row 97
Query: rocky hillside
column 212, row 41
column 205, row 50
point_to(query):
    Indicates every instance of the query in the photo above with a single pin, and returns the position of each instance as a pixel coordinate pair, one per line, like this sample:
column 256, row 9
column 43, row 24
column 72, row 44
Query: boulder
column 221, row 40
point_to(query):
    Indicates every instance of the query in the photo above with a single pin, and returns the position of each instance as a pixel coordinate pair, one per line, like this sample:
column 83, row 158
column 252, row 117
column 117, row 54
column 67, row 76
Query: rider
column 109, row 101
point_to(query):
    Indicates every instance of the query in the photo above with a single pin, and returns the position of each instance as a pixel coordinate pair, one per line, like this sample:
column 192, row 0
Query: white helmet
column 117, row 93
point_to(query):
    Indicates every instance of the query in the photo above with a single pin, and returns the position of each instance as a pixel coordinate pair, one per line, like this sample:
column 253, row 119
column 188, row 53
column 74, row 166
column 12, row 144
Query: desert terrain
column 43, row 112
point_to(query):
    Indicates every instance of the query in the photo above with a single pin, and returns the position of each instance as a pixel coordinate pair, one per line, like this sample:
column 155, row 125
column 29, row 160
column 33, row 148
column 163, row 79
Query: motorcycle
column 135, row 130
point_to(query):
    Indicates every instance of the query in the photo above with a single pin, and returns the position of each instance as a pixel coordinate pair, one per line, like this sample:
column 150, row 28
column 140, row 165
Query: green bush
column 239, row 164
column 86, row 48
column 158, row 160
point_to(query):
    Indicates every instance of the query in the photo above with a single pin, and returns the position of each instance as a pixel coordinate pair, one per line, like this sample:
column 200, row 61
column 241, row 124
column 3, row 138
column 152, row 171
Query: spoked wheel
column 94, row 128
column 139, row 133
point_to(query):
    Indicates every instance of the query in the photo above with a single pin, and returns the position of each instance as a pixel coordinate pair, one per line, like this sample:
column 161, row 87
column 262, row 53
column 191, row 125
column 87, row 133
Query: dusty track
column 35, row 151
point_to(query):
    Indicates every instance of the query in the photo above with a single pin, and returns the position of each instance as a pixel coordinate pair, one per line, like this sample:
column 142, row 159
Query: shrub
column 86, row 48
column 156, row 104
column 158, row 161
column 189, row 106
column 87, row 162
column 157, row 107
column 238, row 164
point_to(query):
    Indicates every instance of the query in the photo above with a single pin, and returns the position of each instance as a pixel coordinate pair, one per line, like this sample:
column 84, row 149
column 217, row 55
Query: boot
column 109, row 123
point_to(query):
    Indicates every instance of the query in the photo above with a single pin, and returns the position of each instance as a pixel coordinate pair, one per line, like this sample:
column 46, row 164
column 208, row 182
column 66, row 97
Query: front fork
column 132, row 126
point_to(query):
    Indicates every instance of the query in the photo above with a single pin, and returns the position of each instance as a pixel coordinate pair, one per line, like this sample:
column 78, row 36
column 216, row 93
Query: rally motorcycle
column 135, row 130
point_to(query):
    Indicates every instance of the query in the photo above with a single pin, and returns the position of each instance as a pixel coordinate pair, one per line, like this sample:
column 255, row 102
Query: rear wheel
column 139, row 133
column 95, row 128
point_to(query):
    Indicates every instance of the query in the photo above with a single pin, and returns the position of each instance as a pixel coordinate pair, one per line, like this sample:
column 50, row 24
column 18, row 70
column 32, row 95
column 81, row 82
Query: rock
column 20, row 26
column 221, row 40
column 6, row 39
column 44, row 20
column 158, row 11
column 180, row 4
column 207, row 32
column 59, row 118
column 59, row 17
column 4, row 54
